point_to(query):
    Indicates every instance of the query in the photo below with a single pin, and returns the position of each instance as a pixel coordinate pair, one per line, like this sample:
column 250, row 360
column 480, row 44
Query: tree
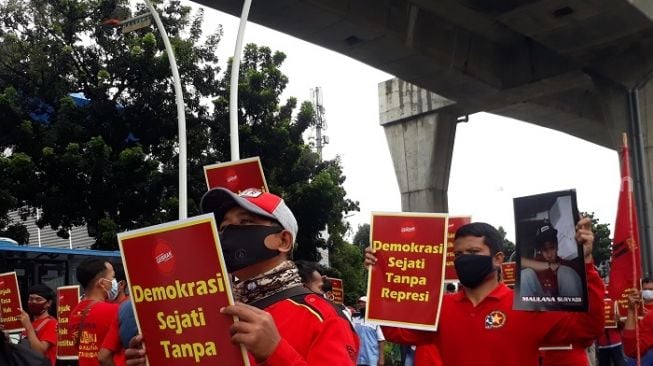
column 108, row 160
column 362, row 237
column 312, row 188
column 347, row 263
column 508, row 246
column 602, row 249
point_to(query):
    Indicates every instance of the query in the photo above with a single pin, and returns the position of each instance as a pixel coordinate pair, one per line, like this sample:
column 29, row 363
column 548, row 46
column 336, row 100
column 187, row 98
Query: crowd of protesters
column 477, row 323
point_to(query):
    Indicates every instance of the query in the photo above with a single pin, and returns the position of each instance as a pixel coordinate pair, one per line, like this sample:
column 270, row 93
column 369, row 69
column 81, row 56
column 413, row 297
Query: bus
column 54, row 267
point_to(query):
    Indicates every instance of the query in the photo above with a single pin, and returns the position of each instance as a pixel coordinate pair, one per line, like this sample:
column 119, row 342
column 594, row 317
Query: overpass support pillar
column 641, row 146
column 631, row 111
column 421, row 144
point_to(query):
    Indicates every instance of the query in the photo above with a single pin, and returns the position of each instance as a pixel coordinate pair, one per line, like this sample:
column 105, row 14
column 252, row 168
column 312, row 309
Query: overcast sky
column 494, row 159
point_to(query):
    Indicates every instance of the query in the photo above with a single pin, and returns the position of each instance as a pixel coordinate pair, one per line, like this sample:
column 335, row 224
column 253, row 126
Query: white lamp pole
column 233, row 92
column 181, row 114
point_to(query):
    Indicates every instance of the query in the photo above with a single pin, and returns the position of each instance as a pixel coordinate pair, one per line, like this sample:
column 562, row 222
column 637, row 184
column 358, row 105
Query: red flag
column 625, row 271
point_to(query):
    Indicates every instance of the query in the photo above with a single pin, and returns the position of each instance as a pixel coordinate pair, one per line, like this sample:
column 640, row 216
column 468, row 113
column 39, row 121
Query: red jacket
column 312, row 334
column 467, row 334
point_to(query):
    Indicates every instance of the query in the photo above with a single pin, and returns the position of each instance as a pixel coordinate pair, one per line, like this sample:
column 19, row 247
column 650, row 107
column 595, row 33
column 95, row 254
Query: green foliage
column 508, row 246
column 392, row 352
column 346, row 262
column 362, row 237
column 602, row 250
column 111, row 163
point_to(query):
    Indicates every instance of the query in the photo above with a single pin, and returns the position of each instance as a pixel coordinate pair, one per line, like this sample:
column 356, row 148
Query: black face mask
column 244, row 245
column 472, row 269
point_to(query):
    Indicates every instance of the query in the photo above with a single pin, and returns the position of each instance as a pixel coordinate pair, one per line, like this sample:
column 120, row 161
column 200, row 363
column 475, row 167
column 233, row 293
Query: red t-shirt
column 610, row 337
column 311, row 334
column 113, row 344
column 46, row 331
column 95, row 326
column 467, row 334
column 112, row 339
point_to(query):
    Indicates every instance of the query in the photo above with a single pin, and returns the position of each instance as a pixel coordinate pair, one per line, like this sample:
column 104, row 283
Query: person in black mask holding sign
column 280, row 321
column 478, row 323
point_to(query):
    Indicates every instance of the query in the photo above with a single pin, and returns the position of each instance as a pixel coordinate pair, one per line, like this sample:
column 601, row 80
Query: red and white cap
column 220, row 200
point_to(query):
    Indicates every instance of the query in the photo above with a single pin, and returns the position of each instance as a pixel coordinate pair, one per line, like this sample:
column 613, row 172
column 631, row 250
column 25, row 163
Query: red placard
column 178, row 282
column 236, row 175
column 337, row 289
column 455, row 222
column 10, row 304
column 406, row 284
column 508, row 273
column 610, row 311
column 67, row 299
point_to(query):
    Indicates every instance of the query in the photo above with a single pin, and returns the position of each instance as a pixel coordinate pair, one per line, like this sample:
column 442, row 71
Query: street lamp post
column 181, row 113
column 233, row 92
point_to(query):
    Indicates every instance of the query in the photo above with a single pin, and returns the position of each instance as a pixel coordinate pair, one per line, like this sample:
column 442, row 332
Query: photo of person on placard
column 550, row 270
column 547, row 274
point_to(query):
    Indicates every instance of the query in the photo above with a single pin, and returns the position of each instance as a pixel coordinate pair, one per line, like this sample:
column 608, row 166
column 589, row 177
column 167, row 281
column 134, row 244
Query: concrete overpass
column 577, row 66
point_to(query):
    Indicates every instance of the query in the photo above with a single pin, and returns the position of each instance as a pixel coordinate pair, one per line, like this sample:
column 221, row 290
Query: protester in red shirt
column 41, row 332
column 91, row 318
column 478, row 324
column 280, row 322
column 111, row 352
column 647, row 294
column 642, row 302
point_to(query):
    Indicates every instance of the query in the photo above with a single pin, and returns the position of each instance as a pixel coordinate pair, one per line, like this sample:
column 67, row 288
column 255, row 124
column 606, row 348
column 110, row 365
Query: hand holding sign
column 174, row 291
column 585, row 236
column 405, row 286
column 255, row 329
column 135, row 354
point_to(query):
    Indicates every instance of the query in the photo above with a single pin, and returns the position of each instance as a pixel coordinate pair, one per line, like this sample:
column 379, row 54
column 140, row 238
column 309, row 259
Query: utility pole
column 320, row 141
column 320, row 124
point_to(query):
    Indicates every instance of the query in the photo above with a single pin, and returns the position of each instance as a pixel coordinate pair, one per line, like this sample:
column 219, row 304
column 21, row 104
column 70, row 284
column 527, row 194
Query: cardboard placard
column 610, row 312
column 10, row 303
column 236, row 176
column 550, row 264
column 508, row 273
column 337, row 289
column 405, row 286
column 556, row 348
column 455, row 222
column 178, row 282
column 67, row 299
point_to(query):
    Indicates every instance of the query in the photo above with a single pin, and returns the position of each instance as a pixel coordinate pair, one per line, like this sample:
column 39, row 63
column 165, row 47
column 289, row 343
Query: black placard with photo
column 550, row 267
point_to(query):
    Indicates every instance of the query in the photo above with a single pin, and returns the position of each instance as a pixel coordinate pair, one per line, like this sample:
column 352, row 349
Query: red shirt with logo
column 46, row 331
column 312, row 333
column 467, row 334
column 93, row 328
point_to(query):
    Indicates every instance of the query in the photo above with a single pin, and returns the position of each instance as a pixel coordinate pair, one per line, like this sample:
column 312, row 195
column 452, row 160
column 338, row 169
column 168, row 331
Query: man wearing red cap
column 297, row 326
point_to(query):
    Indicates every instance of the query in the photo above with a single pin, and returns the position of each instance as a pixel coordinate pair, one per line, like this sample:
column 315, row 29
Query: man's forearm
column 631, row 318
column 105, row 357
column 381, row 353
